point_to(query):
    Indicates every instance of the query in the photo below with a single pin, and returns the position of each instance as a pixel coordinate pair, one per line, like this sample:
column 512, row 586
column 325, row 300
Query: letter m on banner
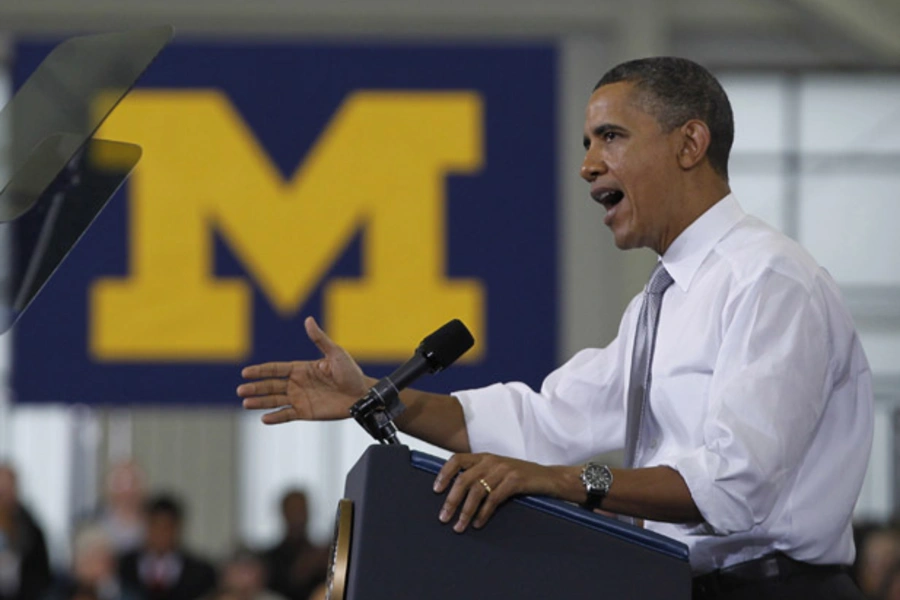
column 378, row 168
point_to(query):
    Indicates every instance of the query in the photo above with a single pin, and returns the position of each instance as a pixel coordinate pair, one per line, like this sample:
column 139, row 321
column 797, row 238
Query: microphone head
column 445, row 345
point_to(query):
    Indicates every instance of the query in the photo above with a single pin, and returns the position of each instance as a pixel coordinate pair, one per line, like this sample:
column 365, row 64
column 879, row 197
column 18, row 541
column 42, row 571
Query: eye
column 586, row 143
column 610, row 136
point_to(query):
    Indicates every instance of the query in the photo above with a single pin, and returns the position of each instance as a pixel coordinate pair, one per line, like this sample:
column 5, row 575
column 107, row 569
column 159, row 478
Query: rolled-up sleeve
column 767, row 393
column 578, row 413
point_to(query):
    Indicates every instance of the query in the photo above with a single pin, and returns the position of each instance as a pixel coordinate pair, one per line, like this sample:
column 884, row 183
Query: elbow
column 724, row 504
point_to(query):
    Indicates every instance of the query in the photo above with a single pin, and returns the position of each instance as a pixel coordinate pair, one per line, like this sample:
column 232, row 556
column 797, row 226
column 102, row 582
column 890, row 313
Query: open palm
column 317, row 390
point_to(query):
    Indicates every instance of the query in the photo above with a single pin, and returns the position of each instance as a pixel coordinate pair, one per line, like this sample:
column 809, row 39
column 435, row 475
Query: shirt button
column 654, row 444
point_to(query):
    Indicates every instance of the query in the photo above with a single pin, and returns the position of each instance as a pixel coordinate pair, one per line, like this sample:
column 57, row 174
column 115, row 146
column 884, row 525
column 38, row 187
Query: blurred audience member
column 877, row 554
column 244, row 575
column 121, row 514
column 94, row 571
column 24, row 563
column 296, row 566
column 861, row 531
column 890, row 587
column 163, row 569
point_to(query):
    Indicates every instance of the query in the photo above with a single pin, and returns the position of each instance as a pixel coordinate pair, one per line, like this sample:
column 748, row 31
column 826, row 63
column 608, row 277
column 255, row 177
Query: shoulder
column 760, row 269
column 753, row 251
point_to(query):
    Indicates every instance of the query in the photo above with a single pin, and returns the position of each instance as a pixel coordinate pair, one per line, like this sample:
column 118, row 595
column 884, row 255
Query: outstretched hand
column 317, row 390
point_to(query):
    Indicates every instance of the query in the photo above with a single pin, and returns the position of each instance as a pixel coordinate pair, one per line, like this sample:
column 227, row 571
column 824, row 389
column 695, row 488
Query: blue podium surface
column 533, row 547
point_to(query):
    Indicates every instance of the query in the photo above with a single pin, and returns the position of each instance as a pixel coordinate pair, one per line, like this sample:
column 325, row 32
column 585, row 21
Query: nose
column 592, row 166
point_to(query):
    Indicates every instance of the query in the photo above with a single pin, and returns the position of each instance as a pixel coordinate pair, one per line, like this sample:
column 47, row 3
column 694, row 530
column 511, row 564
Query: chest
column 689, row 339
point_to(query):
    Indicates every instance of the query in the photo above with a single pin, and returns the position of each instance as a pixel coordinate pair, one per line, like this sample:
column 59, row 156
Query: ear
column 694, row 142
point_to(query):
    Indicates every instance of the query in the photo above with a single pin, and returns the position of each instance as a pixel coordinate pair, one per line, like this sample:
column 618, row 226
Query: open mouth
column 608, row 198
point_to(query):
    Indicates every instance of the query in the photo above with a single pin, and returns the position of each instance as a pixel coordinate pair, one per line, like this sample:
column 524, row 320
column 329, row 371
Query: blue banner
column 383, row 189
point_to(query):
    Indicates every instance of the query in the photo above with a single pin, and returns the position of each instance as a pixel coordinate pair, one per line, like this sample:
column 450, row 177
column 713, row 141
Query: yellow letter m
column 378, row 168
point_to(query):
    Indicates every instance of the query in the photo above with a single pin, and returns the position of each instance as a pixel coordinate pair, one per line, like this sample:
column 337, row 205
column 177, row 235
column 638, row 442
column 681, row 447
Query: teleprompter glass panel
column 63, row 103
column 57, row 178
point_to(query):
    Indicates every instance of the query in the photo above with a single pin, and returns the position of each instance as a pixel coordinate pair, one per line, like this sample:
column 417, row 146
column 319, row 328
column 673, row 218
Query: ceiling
column 807, row 33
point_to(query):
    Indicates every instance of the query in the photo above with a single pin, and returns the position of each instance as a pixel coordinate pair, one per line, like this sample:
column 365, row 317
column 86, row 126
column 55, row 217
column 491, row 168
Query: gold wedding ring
column 486, row 486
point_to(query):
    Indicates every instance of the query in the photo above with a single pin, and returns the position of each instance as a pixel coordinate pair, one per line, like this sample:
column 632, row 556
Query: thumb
column 319, row 338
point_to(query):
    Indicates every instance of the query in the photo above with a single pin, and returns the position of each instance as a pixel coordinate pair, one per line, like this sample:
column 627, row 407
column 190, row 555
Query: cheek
column 648, row 185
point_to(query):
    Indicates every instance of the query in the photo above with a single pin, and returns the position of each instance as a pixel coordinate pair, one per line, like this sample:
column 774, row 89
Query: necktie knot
column 659, row 280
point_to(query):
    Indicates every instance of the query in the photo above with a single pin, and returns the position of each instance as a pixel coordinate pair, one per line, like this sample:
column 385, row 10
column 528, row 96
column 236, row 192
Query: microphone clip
column 376, row 411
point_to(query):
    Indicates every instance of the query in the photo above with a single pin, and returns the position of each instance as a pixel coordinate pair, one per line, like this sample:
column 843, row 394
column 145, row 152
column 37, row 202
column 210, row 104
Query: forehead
column 617, row 104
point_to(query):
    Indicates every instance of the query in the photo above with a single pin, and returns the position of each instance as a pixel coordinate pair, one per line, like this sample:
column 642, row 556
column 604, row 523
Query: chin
column 624, row 243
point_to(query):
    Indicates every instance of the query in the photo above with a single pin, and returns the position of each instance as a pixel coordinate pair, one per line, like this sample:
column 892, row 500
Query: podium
column 390, row 545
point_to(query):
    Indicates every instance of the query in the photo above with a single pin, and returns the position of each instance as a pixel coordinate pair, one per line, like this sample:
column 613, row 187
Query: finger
column 457, row 494
column 319, row 338
column 284, row 415
column 270, row 369
column 475, row 495
column 498, row 496
column 263, row 387
column 264, row 402
column 453, row 466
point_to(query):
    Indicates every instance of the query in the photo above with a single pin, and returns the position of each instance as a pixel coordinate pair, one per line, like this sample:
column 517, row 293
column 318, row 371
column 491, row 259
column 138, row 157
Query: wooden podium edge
column 339, row 557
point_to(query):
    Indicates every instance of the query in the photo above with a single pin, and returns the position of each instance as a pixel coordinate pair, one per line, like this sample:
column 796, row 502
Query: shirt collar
column 685, row 255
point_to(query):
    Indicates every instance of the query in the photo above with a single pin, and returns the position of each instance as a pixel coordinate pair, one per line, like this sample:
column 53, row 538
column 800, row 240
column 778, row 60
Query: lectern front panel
column 531, row 548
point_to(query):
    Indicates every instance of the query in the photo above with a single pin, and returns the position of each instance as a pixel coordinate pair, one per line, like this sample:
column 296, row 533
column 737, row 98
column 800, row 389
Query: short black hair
column 676, row 90
column 165, row 504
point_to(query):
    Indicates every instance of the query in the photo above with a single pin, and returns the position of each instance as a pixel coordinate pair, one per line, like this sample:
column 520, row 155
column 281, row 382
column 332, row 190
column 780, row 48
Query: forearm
column 434, row 418
column 653, row 493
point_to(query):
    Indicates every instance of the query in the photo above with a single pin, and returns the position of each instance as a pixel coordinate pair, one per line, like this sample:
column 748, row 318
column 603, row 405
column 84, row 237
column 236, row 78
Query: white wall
column 841, row 202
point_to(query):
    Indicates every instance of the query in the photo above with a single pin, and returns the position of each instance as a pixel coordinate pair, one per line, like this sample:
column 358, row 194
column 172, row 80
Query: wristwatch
column 597, row 480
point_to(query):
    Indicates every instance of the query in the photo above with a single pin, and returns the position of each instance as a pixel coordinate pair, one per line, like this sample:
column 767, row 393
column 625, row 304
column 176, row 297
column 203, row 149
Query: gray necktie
column 644, row 342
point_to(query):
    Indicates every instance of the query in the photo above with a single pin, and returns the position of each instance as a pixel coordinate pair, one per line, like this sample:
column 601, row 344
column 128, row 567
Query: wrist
column 368, row 384
column 568, row 485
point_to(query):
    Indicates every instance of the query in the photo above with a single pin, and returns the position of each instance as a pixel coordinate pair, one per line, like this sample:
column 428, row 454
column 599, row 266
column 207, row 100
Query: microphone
column 376, row 410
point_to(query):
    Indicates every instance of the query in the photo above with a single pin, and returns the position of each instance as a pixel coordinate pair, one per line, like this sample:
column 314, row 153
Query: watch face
column 339, row 556
column 597, row 478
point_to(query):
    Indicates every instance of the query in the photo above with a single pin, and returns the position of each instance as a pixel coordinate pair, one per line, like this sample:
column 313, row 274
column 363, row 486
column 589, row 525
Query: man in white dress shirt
column 758, row 422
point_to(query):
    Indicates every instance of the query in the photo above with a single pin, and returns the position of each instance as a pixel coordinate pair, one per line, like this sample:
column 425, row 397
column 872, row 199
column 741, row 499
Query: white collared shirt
column 761, row 398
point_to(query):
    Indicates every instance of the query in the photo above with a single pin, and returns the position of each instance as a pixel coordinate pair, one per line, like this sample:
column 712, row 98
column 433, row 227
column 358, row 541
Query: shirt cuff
column 723, row 514
column 492, row 421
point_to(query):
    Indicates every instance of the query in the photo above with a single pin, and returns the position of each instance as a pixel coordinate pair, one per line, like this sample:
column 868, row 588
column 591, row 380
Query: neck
column 696, row 198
